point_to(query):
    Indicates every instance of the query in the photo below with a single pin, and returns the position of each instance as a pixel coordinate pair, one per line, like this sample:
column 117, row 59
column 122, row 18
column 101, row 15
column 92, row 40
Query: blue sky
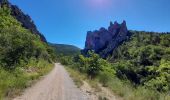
column 67, row 21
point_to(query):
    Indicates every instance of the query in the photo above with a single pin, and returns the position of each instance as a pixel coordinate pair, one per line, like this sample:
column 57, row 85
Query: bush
column 161, row 79
column 66, row 60
column 141, row 59
column 104, row 78
column 92, row 65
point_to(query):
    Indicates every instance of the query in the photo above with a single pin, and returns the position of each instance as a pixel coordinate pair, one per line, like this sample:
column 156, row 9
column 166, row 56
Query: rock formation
column 24, row 19
column 104, row 41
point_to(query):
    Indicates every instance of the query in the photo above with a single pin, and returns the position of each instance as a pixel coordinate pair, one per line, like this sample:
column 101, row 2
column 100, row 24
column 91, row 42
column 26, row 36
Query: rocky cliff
column 104, row 41
column 24, row 19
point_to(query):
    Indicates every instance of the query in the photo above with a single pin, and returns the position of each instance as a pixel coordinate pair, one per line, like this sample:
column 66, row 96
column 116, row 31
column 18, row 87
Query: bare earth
column 57, row 85
column 95, row 94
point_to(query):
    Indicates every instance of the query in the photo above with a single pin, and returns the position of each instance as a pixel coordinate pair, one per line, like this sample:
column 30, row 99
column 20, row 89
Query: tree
column 161, row 79
column 94, row 65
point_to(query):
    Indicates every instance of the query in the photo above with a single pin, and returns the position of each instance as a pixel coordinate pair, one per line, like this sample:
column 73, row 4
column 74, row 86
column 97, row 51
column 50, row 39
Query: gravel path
column 57, row 85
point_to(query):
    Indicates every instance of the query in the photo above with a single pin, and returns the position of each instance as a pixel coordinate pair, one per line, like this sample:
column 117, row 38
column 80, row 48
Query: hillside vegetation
column 138, row 69
column 24, row 56
column 144, row 60
column 66, row 50
column 65, row 53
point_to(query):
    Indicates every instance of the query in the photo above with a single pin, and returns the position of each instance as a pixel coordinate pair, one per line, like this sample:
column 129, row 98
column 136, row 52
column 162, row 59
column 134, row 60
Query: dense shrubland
column 144, row 60
column 23, row 56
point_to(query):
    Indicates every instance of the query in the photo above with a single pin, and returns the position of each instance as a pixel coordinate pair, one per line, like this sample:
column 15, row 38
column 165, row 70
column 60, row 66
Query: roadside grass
column 13, row 82
column 122, row 89
column 76, row 76
column 128, row 92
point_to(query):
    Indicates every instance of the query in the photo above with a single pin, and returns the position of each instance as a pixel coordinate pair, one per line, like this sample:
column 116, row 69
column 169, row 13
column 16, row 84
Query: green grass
column 121, row 88
column 128, row 92
column 76, row 76
column 13, row 82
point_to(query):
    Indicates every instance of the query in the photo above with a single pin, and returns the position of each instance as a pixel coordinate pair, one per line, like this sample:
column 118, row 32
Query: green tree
column 94, row 65
column 161, row 78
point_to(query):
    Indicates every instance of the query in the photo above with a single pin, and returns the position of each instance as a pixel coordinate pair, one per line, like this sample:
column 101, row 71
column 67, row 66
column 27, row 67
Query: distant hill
column 66, row 50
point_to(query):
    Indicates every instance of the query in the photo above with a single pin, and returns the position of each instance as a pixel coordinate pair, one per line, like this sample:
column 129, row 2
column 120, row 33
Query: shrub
column 104, row 78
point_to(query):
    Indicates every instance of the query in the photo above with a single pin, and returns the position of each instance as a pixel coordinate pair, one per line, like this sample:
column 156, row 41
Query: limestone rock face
column 24, row 19
column 104, row 41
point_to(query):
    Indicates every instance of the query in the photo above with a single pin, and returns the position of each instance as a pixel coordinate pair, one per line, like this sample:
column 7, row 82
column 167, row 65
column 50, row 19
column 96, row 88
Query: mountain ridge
column 23, row 18
column 65, row 49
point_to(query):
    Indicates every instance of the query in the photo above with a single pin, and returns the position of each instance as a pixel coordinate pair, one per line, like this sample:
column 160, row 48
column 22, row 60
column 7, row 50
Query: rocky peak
column 113, row 28
column 124, row 22
column 123, row 26
column 123, row 29
column 105, row 41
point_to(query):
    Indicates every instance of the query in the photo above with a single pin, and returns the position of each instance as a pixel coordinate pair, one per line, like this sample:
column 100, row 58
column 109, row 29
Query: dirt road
column 57, row 85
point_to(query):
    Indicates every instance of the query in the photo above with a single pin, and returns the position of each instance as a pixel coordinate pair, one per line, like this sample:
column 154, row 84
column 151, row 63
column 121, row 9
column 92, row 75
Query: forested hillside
column 65, row 53
column 65, row 50
column 24, row 57
column 144, row 60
